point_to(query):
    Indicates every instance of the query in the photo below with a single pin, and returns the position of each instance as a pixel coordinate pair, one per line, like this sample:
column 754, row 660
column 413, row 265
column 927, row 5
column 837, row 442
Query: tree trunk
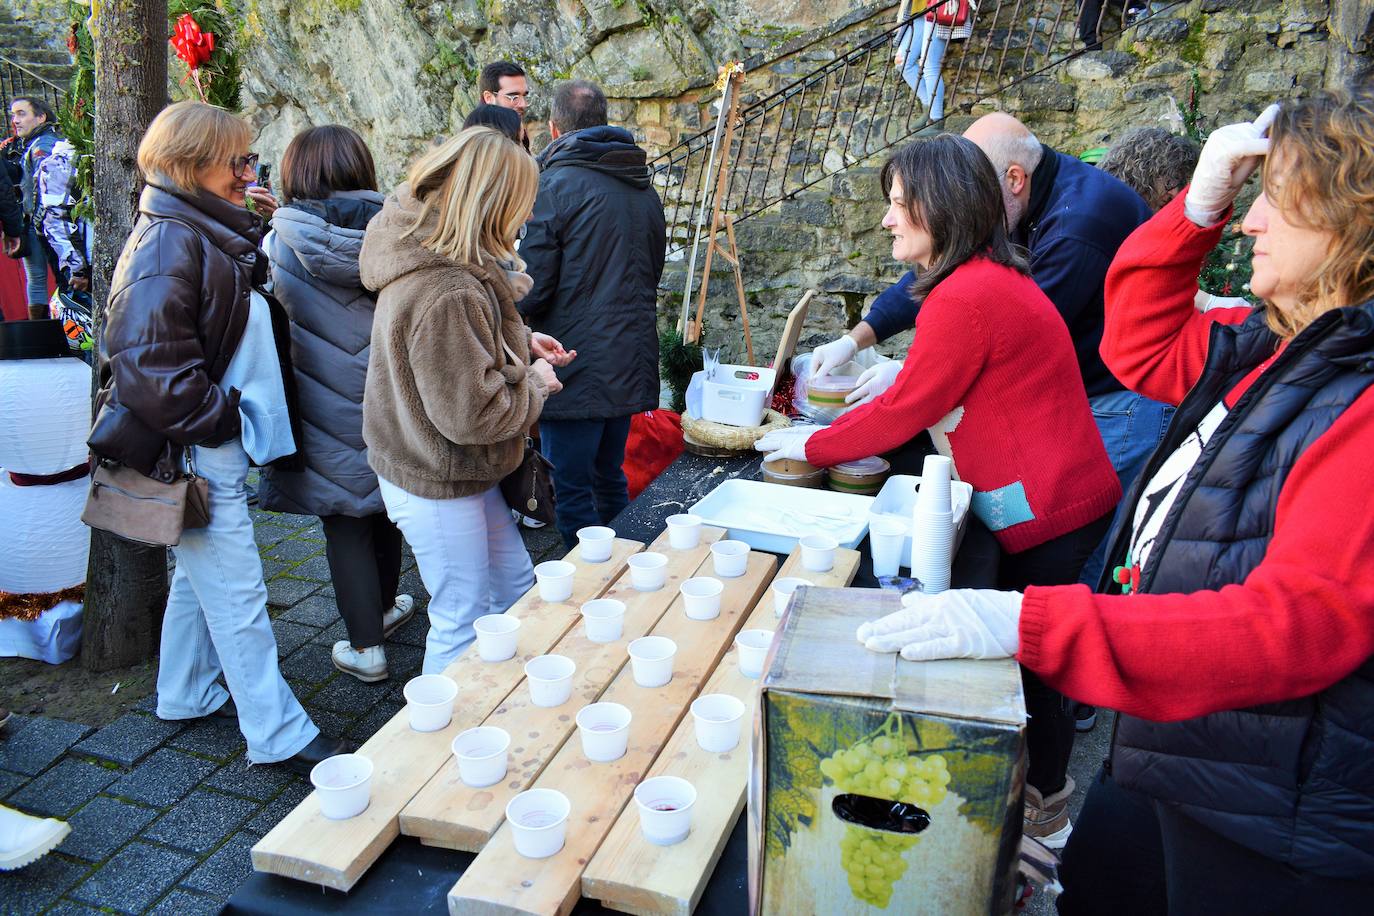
column 126, row 584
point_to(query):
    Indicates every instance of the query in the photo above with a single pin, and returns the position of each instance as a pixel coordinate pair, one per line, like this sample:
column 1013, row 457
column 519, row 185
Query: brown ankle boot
column 38, row 312
column 1047, row 819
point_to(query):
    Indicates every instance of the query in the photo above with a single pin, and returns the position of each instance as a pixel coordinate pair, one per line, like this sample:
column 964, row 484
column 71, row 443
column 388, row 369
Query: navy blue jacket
column 1077, row 218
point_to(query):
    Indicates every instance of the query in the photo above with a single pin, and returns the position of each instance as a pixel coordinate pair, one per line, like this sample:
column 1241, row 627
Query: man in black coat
column 594, row 248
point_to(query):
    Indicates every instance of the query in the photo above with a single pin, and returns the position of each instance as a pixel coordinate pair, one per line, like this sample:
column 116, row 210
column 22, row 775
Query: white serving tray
column 772, row 517
column 898, row 498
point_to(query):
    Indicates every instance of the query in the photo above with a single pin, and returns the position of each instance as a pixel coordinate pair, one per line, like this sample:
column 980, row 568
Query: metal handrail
column 13, row 84
column 857, row 106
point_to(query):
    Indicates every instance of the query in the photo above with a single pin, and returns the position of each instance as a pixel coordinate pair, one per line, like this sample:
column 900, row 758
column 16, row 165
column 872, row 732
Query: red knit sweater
column 992, row 374
column 1304, row 617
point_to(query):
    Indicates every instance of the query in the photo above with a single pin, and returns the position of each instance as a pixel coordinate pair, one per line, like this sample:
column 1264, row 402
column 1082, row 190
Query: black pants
column 1049, row 733
column 1132, row 856
column 365, row 563
column 1090, row 15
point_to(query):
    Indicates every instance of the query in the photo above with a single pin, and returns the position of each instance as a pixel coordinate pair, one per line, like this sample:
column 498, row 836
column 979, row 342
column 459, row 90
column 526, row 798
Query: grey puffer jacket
column 313, row 249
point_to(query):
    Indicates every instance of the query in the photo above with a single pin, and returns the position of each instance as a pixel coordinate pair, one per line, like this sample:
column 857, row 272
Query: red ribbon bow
column 191, row 44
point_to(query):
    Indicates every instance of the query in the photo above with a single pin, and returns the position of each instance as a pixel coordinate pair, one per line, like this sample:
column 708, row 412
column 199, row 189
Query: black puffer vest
column 1293, row 781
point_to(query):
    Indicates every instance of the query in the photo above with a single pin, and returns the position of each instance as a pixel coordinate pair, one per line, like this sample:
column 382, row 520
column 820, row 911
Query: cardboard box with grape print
column 879, row 784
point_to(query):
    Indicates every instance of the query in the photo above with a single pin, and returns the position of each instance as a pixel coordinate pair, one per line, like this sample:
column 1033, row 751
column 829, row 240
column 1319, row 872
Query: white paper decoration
column 53, row 638
column 45, row 544
column 45, row 414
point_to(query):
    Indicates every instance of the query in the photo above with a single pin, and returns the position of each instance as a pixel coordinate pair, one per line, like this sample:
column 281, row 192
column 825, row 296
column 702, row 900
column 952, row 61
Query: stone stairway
column 43, row 65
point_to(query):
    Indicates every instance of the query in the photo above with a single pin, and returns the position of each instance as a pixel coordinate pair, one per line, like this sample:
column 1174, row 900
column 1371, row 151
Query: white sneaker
column 367, row 665
column 524, row 520
column 400, row 612
column 25, row 839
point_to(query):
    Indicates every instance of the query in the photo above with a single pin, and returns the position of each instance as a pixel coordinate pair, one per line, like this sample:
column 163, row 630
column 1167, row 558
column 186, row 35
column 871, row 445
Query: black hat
column 33, row 339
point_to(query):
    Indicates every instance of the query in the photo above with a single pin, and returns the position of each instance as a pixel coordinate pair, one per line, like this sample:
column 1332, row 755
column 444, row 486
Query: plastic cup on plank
column 483, row 755
column 648, row 571
column 783, row 588
column 429, row 700
column 684, row 531
column 605, row 731
column 497, row 635
column 886, row 537
column 753, row 651
column 818, row 552
column 555, row 579
column 343, row 784
column 665, row 809
column 701, row 597
column 717, row 718
column 730, row 558
column 651, row 659
column 595, row 543
column 550, row 679
column 604, row 619
column 539, row 822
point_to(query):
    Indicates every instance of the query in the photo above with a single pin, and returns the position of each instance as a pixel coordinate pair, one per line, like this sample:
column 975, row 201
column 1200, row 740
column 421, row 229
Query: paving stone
column 163, row 778
column 147, row 704
column 200, row 821
column 211, row 737
column 72, row 908
column 309, row 664
column 37, row 743
column 227, row 868
column 65, row 787
column 256, row 781
column 290, row 636
column 316, row 569
column 268, row 534
column 10, row 781
column 185, row 903
column 411, row 585
column 128, row 739
column 271, row 815
column 330, row 634
column 403, row 661
column 315, row 611
column 135, row 877
column 272, row 568
column 368, row 725
column 103, row 826
column 287, row 520
column 413, row 632
column 30, row 889
column 283, row 592
column 329, row 722
column 296, row 549
column 346, row 694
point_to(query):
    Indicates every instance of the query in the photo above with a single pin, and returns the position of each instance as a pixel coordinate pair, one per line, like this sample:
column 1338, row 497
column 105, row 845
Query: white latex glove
column 874, row 381
column 964, row 623
column 1228, row 158
column 828, row 357
column 789, row 442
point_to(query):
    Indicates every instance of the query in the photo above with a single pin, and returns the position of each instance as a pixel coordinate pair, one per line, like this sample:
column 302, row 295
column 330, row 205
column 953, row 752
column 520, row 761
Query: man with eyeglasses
column 503, row 83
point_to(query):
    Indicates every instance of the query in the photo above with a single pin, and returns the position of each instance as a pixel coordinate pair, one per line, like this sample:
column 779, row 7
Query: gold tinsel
column 32, row 605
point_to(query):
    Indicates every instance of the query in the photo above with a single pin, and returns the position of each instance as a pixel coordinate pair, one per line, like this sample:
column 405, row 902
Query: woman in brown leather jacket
column 189, row 368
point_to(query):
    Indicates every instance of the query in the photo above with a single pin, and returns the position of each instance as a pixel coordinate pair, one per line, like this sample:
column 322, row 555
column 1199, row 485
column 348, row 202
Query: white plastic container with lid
column 737, row 396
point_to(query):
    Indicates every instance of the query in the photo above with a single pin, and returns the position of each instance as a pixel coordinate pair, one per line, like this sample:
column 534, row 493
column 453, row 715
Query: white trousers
column 471, row 560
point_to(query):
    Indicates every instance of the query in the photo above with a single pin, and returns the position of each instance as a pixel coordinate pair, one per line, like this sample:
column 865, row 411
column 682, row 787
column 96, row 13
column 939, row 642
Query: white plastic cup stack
column 595, row 543
column 701, row 597
column 429, row 700
column 651, row 659
column 717, row 718
column 605, row 731
column 932, row 527
column 648, row 571
column 497, row 635
column 555, row 579
column 665, row 809
column 783, row 587
column 753, row 651
column 730, row 558
column 684, row 531
column 343, row 784
column 550, row 679
column 483, row 754
column 818, row 552
column 604, row 619
column 886, row 537
column 539, row 822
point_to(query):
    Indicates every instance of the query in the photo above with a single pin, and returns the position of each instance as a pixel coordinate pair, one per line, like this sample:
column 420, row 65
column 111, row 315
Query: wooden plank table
column 446, row 812
column 500, row 880
column 634, row 876
column 308, row 846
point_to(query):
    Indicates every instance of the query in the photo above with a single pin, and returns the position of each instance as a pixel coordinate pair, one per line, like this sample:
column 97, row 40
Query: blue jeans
column 216, row 622
column 924, row 76
column 589, row 485
column 1132, row 426
column 36, row 269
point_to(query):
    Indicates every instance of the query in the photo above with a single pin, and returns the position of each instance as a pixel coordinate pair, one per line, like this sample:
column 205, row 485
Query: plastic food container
column 717, row 717
column 730, row 558
column 829, row 392
column 864, row 477
column 648, row 571
column 684, row 531
column 550, row 679
column 792, row 473
column 651, row 659
column 555, row 579
column 429, row 698
column 701, row 597
column 665, row 809
column 737, row 396
column 343, row 784
column 603, row 619
column 497, row 635
column 482, row 755
column 753, row 648
column 539, row 822
column 605, row 731
column 596, row 543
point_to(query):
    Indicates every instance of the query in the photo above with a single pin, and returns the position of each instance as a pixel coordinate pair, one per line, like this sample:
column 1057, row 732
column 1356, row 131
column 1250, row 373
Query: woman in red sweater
column 1241, row 655
column 992, row 375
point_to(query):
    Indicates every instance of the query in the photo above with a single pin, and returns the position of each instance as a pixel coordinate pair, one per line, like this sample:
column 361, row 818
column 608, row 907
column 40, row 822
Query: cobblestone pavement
column 163, row 814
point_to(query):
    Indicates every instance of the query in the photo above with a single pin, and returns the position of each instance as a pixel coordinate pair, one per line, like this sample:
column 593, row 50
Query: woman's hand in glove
column 964, row 623
column 789, row 442
column 828, row 357
column 1229, row 157
column 874, row 381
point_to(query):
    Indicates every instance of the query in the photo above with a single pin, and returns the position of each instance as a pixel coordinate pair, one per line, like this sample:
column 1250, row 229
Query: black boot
column 321, row 748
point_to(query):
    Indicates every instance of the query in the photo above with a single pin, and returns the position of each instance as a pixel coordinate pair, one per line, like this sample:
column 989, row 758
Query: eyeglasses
column 241, row 164
column 515, row 96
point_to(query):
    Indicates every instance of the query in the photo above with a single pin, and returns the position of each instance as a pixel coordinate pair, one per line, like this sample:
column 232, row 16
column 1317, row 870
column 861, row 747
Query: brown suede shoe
column 1047, row 819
